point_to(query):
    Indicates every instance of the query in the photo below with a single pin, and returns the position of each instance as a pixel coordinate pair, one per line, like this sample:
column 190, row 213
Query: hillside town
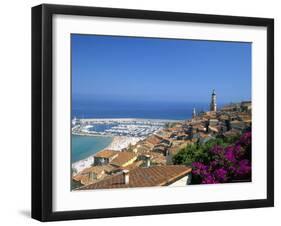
column 149, row 162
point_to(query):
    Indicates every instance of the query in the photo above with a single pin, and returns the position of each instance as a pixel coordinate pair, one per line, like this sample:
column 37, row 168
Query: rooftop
column 153, row 140
column 83, row 177
column 143, row 177
column 123, row 158
column 106, row 153
column 98, row 169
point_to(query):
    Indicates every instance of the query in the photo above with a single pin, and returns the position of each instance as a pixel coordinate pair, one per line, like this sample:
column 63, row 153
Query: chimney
column 147, row 161
column 126, row 176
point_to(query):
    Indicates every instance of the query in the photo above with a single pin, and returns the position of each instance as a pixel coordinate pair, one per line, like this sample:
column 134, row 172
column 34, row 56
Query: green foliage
column 200, row 152
column 231, row 139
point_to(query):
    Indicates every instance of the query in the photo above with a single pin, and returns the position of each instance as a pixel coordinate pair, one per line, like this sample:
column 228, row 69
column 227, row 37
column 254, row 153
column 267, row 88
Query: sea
column 87, row 108
column 85, row 146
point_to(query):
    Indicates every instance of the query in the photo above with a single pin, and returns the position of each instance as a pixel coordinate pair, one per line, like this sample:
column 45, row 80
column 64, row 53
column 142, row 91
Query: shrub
column 227, row 164
column 200, row 152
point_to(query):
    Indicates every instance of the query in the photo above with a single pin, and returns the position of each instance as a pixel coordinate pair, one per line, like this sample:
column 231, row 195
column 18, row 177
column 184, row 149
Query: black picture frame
column 42, row 107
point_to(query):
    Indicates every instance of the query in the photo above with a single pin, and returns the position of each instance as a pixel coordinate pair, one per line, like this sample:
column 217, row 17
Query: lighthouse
column 213, row 105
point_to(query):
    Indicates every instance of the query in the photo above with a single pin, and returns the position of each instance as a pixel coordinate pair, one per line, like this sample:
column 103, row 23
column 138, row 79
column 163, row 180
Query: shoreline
column 120, row 142
column 92, row 134
column 117, row 144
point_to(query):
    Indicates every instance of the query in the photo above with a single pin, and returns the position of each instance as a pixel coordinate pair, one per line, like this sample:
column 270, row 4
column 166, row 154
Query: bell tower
column 213, row 105
column 193, row 113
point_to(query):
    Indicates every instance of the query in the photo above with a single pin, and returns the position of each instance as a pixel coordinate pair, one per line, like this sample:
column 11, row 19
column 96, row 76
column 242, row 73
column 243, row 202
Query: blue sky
column 137, row 69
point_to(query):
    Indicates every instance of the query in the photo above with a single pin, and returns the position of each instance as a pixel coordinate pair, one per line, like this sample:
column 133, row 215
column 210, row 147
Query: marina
column 140, row 128
column 89, row 136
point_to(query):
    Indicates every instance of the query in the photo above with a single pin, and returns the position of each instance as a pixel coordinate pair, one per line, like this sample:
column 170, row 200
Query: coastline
column 91, row 134
column 118, row 143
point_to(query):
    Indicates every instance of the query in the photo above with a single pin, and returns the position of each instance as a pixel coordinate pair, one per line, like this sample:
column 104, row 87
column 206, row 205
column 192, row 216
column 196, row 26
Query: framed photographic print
column 145, row 112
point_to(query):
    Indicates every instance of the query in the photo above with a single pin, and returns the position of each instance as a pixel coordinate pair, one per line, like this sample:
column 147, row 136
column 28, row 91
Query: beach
column 118, row 143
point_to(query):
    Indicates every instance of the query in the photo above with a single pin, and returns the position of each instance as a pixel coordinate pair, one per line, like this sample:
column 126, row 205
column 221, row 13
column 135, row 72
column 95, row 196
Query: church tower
column 193, row 113
column 213, row 105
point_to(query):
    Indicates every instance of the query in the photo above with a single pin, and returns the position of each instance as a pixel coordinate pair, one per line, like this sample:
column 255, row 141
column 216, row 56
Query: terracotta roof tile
column 106, row 153
column 132, row 166
column 83, row 176
column 123, row 157
column 98, row 169
column 153, row 140
column 143, row 177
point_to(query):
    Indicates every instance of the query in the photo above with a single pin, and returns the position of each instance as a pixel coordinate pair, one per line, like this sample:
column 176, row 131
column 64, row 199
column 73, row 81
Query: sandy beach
column 118, row 143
